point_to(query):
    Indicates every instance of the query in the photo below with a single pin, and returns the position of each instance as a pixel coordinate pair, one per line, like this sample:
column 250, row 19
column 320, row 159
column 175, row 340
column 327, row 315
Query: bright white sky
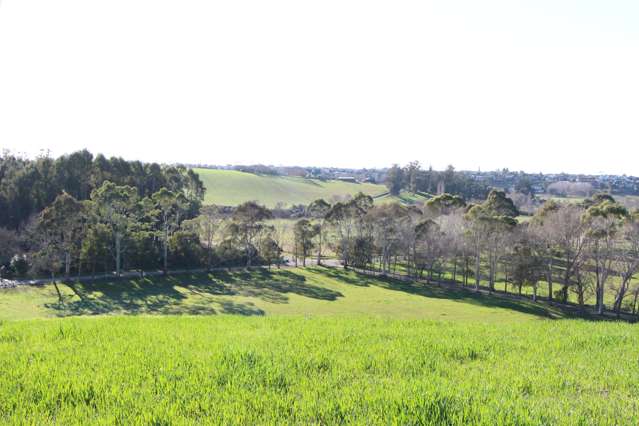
column 538, row 85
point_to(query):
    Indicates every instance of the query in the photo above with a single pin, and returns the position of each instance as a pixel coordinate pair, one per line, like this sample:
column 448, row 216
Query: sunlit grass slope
column 405, row 197
column 308, row 292
column 318, row 370
column 230, row 187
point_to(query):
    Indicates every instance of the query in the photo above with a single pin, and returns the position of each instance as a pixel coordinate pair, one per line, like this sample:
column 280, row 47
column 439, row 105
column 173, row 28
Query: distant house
column 349, row 179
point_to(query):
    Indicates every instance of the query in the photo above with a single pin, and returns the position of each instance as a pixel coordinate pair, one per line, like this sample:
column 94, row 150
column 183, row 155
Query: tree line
column 28, row 186
column 587, row 252
column 414, row 179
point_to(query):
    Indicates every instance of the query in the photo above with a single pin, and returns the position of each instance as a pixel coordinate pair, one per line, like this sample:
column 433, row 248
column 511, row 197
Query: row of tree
column 28, row 186
column 575, row 251
column 590, row 250
column 414, row 179
column 116, row 229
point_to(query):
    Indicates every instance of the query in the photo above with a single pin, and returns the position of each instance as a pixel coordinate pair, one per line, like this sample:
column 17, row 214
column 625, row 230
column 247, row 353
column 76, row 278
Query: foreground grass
column 321, row 370
column 309, row 292
column 230, row 187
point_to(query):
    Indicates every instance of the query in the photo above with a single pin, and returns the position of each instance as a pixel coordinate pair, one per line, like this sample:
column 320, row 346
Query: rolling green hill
column 314, row 346
column 405, row 197
column 230, row 187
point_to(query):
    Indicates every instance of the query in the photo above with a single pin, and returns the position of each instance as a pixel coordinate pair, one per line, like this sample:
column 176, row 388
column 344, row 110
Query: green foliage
column 9, row 246
column 549, row 207
column 303, row 232
column 498, row 204
column 143, row 252
column 525, row 186
column 598, row 198
column 186, row 250
column 28, row 186
column 607, row 209
column 443, row 204
column 395, row 179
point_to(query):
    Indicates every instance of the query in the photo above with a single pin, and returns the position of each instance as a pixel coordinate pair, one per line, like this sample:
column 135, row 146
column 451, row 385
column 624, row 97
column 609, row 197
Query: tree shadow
column 338, row 274
column 188, row 294
column 271, row 286
column 460, row 294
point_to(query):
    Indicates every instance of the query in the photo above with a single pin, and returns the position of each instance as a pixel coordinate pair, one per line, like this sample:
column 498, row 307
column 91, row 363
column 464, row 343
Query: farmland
column 405, row 198
column 294, row 369
column 308, row 292
column 316, row 345
column 230, row 187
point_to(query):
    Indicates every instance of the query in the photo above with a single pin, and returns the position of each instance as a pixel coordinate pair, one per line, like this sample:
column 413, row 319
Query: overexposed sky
column 538, row 85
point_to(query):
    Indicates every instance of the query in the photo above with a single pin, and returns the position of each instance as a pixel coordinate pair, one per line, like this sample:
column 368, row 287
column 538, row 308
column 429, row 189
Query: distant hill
column 405, row 197
column 231, row 187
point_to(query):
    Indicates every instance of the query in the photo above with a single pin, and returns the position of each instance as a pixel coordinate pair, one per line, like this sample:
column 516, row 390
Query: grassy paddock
column 305, row 346
column 166, row 370
column 310, row 292
column 230, row 187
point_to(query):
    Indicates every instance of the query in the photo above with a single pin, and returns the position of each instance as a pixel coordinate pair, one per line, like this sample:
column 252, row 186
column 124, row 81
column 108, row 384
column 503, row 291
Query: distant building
column 349, row 179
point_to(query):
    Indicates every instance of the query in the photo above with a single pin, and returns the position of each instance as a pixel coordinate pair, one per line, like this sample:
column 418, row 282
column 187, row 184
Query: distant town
column 558, row 184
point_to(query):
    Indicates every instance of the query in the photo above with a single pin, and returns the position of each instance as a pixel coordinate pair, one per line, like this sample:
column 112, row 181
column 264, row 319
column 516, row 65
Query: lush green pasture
column 309, row 292
column 405, row 197
column 319, row 370
column 230, row 187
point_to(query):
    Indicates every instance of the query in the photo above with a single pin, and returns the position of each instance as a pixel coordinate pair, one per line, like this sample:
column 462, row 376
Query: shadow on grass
column 463, row 294
column 194, row 294
column 210, row 294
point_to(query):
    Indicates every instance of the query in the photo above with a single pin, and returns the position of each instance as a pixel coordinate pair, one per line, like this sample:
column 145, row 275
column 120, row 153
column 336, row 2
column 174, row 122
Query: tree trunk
column 118, row 254
column 209, row 254
column 477, row 271
column 79, row 269
column 166, row 249
column 466, row 271
column 505, row 278
column 549, row 279
column 621, row 295
column 564, row 288
column 599, row 290
column 67, row 265
column 491, row 273
column 55, row 284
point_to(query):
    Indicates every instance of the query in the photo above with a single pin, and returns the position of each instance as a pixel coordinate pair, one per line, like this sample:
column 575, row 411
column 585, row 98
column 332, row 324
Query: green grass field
column 405, row 197
column 307, row 292
column 230, row 187
column 305, row 346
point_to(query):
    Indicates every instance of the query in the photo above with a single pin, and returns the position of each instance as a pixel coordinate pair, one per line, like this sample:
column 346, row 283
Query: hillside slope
column 310, row 292
column 405, row 198
column 230, row 188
